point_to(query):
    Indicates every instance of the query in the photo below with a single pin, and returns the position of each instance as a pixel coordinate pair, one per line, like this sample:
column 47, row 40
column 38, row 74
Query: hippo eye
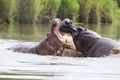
column 70, row 22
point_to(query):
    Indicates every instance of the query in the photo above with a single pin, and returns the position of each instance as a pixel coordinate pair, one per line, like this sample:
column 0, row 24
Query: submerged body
column 94, row 46
column 47, row 46
column 89, row 42
column 53, row 44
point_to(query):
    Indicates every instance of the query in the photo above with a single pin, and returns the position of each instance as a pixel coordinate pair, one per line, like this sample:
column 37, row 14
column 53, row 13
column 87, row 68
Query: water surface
column 19, row 66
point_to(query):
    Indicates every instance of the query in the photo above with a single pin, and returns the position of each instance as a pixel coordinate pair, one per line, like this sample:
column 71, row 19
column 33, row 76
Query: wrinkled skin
column 89, row 42
column 53, row 44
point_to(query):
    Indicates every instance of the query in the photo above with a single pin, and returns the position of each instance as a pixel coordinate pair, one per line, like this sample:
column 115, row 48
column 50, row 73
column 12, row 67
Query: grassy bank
column 42, row 11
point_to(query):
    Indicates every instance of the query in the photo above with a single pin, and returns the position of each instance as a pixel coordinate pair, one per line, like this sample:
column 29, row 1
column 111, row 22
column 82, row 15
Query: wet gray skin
column 89, row 42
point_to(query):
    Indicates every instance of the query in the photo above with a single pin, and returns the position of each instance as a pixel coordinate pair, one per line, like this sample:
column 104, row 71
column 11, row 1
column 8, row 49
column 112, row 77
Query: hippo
column 89, row 42
column 53, row 44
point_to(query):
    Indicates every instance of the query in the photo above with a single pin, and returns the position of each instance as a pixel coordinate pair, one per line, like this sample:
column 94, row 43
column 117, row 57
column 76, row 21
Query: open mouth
column 55, row 28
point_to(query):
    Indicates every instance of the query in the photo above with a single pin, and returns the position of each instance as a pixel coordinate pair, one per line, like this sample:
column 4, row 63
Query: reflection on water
column 24, row 32
column 19, row 66
column 106, row 30
column 38, row 32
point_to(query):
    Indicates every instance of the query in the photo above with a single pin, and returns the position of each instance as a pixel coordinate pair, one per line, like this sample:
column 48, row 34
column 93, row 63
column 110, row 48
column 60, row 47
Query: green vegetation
column 95, row 11
column 7, row 9
column 118, row 1
column 42, row 11
column 49, row 10
column 68, row 9
column 25, row 11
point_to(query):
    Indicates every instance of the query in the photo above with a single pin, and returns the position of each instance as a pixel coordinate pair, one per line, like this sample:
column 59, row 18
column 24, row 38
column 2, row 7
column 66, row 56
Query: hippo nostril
column 67, row 21
column 71, row 22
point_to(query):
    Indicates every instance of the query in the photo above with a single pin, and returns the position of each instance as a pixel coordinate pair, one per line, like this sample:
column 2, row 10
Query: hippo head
column 68, row 27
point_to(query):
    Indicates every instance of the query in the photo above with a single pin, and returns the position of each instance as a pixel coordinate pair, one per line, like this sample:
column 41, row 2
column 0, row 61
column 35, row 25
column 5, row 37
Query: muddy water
column 19, row 66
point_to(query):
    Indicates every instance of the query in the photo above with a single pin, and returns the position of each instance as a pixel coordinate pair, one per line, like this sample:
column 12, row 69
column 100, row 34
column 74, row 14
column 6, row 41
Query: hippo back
column 102, row 47
column 93, row 45
column 84, row 40
column 24, row 48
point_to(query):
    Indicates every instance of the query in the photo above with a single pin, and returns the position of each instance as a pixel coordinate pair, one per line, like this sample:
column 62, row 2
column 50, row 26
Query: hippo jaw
column 67, row 27
column 51, row 44
column 55, row 26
